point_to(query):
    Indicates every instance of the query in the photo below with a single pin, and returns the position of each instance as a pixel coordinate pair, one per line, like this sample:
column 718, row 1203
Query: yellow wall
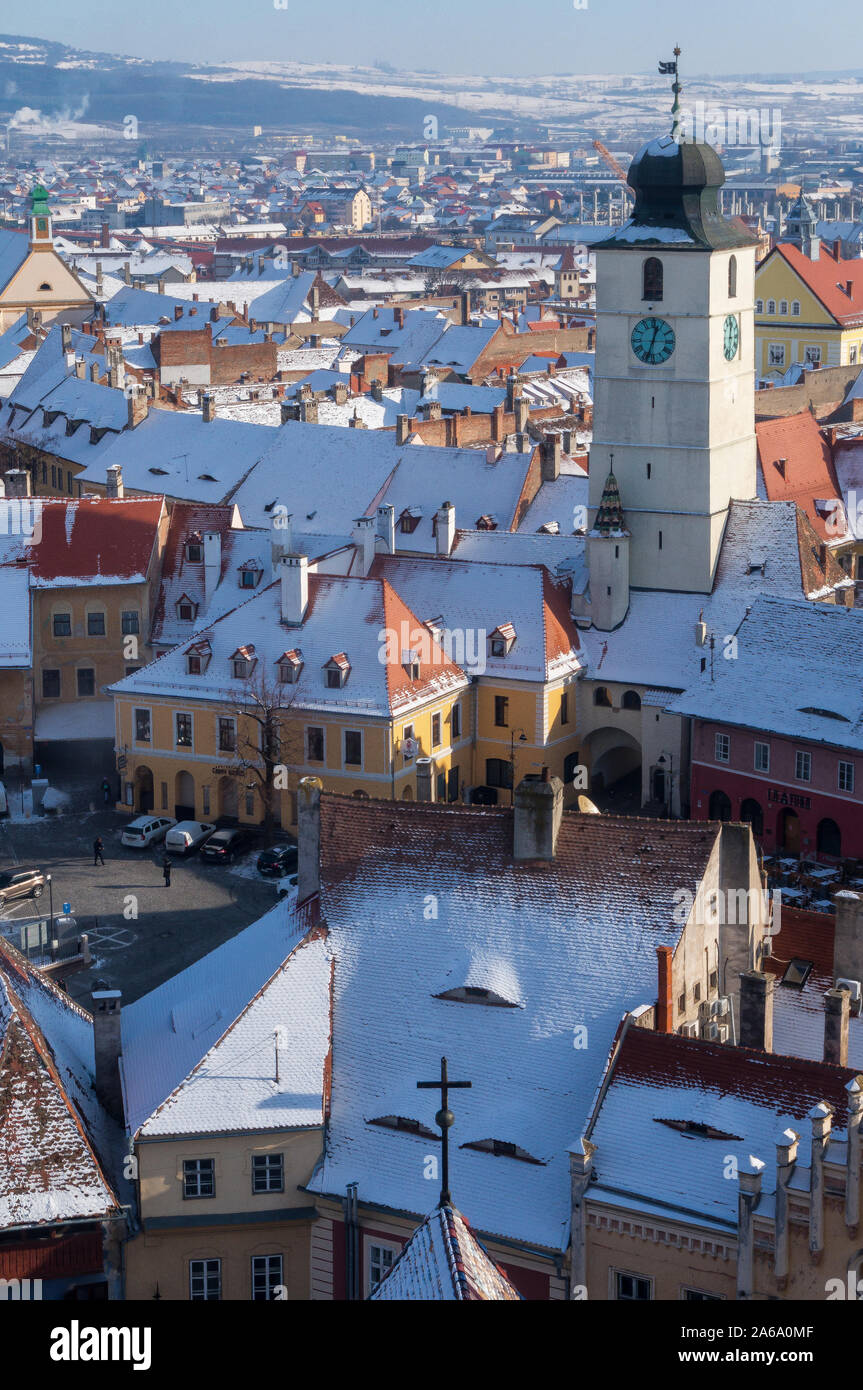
column 105, row 655
column 813, row 326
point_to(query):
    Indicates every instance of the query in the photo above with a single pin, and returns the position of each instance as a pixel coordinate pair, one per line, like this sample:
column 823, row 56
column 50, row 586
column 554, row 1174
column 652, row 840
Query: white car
column 188, row 835
column 146, row 830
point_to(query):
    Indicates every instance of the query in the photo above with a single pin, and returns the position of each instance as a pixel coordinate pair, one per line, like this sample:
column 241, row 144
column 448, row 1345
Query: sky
column 491, row 37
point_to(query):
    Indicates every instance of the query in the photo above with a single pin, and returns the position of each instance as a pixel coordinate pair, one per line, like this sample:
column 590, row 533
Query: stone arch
column 788, row 831
column 144, row 795
column 751, row 812
column 184, row 796
column 229, row 798
column 614, row 756
column 720, row 806
column 829, row 838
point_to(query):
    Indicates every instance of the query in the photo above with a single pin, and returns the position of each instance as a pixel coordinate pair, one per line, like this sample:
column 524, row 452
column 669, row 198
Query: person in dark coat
column 97, row 851
column 166, row 871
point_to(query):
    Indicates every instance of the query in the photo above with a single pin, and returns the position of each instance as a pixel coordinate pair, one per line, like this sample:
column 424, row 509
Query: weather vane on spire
column 674, row 67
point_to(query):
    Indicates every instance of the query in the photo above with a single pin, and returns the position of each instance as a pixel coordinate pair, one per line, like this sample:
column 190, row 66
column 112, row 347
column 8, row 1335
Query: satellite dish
column 586, row 806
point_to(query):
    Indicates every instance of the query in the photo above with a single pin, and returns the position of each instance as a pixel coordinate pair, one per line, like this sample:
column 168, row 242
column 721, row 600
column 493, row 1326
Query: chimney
column 137, row 408
column 355, row 423
column 387, row 526
column 424, row 779
column 66, row 336
column 513, row 391
column 117, row 374
column 445, row 530
column 591, row 339
column 294, row 574
column 309, row 412
column 402, row 429
column 399, row 316
column 106, row 1049
column 94, row 371
column 522, row 410
column 847, row 936
column 19, row 482
column 779, row 464
column 288, row 411
column 837, row 1011
column 837, row 249
column 178, row 312
column 282, row 541
column 434, row 410
column 567, row 442
column 551, row 450
column 104, row 235
column 212, row 563
column 114, row 481
column 377, row 390
column 309, row 839
column 497, row 430
column 664, row 998
column 81, row 368
column 756, row 1010
column 315, row 303
column 127, row 274
column 340, row 393
column 363, row 537
column 209, row 411
column 536, row 822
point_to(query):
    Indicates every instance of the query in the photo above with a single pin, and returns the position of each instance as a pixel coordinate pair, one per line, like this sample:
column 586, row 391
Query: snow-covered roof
column 444, row 1262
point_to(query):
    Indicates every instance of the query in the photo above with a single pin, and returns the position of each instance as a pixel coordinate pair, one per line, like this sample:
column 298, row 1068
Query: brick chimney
column 538, row 807
column 309, row 838
column 837, row 1011
column 551, row 451
column 178, row 312
column 402, row 429
column 104, row 235
column 377, row 390
column 114, row 481
column 106, row 1048
column 294, row 575
column 756, row 1010
column 399, row 316
column 522, row 411
column 664, row 998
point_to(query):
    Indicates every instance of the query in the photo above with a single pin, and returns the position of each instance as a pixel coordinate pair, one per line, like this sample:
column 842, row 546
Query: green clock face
column 652, row 341
column 731, row 336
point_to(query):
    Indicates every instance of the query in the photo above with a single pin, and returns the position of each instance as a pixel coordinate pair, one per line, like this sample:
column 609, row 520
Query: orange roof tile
column 808, row 464
column 830, row 279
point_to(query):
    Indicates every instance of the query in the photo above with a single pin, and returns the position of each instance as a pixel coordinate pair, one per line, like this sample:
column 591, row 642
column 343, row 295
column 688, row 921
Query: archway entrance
column 751, row 811
column 143, row 790
column 614, row 782
column 720, row 806
column 788, row 832
column 184, row 796
column 829, row 839
column 229, row 799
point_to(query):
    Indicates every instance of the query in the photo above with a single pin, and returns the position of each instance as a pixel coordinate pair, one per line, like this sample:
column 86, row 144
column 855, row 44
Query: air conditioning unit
column 704, row 1008
column 689, row 1030
column 766, row 947
column 716, row 1032
column 853, row 986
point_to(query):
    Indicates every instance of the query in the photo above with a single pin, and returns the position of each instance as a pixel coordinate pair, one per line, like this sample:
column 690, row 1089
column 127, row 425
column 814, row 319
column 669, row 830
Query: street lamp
column 522, row 738
column 50, row 884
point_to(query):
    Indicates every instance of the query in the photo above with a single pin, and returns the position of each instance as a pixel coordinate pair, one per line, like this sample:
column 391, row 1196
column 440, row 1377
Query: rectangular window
column 53, row 475
column 698, row 1296
column 435, row 737
column 183, row 725
column 722, row 748
column 266, row 1277
column 314, row 745
column 62, row 624
column 199, row 1177
column 407, row 742
column 631, row 1288
column 130, row 622
column 205, row 801
column 455, row 722
column 846, row 776
column 250, row 803
column 142, row 726
column 334, row 678
column 440, row 794
column 762, row 757
column 205, row 1280
column 501, row 711
column 268, row 1172
column 498, row 772
column 353, row 748
column 51, row 685
column 227, row 735
column 95, row 624
column 86, row 680
column 776, row 355
column 803, row 766
column 164, row 796
column 812, row 356
column 564, row 707
column 852, row 355
column 381, row 1258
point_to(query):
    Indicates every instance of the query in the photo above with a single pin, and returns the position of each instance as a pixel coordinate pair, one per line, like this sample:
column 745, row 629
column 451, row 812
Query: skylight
column 797, row 972
column 697, row 1129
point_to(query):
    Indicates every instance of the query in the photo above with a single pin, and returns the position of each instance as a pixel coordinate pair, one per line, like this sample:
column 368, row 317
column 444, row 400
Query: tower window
column 660, row 540
column 652, row 279
column 648, row 470
column 771, row 306
column 732, row 278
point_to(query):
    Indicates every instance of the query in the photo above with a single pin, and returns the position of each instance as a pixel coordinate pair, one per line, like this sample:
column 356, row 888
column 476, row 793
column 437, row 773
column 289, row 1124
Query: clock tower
column 674, row 408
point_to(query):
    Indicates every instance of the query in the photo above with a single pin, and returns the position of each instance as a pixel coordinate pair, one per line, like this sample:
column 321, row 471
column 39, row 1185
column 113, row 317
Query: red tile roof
column 827, row 278
column 808, row 475
column 96, row 538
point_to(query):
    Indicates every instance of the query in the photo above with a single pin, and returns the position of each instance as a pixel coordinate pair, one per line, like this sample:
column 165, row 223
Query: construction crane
column 612, row 163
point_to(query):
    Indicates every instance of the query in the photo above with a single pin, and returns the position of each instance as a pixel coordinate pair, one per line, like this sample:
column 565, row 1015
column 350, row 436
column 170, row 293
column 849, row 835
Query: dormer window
column 411, row 665
column 336, row 671
column 407, row 1124
column 409, row 520
column 195, row 550
column 290, row 665
column 243, row 663
column 187, row 609
column 502, row 640
column 486, row 522
column 198, row 658
column 250, row 574
column 502, row 1148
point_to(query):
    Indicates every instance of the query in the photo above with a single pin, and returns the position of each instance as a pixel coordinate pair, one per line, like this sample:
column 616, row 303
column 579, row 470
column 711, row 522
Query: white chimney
column 294, row 573
column 114, row 481
column 363, row 537
column 445, row 530
column 212, row 563
column 282, row 537
column 387, row 526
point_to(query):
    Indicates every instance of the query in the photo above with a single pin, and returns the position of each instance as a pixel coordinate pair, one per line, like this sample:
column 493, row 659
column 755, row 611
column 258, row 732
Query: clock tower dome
column 675, row 364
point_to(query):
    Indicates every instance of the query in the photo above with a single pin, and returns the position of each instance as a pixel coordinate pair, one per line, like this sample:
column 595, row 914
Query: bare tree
column 268, row 740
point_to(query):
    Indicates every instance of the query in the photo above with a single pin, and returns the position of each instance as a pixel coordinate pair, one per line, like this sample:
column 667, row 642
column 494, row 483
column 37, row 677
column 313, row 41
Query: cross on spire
column 444, row 1119
column 677, row 88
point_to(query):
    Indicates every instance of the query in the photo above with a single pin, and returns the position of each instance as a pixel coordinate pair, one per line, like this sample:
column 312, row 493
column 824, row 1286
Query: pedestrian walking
column 97, row 851
column 106, row 790
column 166, row 871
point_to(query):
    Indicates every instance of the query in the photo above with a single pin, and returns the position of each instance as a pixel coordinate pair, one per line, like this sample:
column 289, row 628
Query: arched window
column 652, row 279
column 759, row 306
column 732, row 278
column 783, row 306
column 601, row 696
column 795, row 308
column 720, row 806
column 771, row 306
column 45, row 286
column 632, row 700
column 751, row 812
column 829, row 838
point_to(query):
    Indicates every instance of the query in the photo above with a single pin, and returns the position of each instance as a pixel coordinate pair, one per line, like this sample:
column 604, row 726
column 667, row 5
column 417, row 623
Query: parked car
column 225, row 845
column 21, row 883
column 146, row 830
column 188, row 835
column 278, row 861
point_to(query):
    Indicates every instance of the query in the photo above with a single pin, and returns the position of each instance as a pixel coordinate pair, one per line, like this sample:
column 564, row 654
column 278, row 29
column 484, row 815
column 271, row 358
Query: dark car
column 278, row 861
column 21, row 883
column 225, row 845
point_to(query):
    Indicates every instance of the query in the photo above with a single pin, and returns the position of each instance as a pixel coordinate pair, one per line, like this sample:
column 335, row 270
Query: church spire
column 609, row 515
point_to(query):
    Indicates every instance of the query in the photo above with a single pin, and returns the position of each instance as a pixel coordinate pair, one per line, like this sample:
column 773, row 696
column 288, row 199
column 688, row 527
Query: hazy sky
column 476, row 36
